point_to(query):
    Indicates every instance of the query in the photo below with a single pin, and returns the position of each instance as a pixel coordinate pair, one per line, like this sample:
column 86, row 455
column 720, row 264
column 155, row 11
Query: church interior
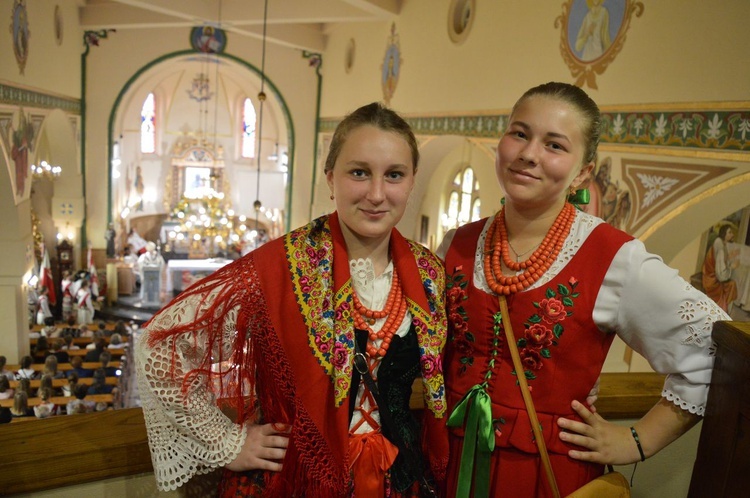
column 144, row 145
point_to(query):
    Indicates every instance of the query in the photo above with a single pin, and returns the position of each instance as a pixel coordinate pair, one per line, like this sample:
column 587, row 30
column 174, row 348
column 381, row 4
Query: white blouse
column 645, row 302
column 372, row 292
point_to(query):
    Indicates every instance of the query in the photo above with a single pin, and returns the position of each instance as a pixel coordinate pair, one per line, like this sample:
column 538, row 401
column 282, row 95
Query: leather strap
column 521, row 376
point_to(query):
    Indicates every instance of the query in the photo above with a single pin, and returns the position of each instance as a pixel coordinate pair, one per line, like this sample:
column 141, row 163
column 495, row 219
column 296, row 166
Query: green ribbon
column 582, row 196
column 479, row 440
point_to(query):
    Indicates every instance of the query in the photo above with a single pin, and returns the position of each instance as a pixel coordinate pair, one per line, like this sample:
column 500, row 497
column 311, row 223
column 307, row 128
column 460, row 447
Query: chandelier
column 45, row 171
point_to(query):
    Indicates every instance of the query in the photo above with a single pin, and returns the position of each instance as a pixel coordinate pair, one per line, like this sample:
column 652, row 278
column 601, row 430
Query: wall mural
column 725, row 272
column 593, row 33
column 18, row 132
column 19, row 27
column 655, row 184
column 609, row 200
column 391, row 67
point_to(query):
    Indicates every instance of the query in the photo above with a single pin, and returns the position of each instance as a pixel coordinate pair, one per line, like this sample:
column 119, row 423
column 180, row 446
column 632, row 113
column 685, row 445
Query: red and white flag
column 93, row 277
column 45, row 276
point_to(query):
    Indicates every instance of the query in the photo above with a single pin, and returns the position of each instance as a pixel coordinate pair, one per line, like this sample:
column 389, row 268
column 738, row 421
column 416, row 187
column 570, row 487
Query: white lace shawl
column 195, row 437
column 188, row 434
column 647, row 304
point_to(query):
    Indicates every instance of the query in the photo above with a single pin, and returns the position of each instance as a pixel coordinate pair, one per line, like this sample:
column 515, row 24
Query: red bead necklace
column 496, row 250
column 394, row 310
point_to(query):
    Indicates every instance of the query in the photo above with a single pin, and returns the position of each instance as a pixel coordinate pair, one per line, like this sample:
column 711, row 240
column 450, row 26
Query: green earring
column 582, row 196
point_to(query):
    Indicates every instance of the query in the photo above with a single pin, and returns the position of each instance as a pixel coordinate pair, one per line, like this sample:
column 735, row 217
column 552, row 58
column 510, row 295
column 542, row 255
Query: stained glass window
column 148, row 125
column 248, row 129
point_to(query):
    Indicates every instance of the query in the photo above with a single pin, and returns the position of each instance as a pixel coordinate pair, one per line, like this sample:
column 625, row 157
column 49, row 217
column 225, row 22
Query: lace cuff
column 188, row 433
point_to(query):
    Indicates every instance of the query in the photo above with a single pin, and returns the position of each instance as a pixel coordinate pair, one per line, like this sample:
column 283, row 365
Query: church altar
column 182, row 273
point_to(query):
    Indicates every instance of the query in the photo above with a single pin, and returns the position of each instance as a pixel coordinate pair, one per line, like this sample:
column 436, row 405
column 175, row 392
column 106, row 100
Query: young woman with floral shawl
column 270, row 339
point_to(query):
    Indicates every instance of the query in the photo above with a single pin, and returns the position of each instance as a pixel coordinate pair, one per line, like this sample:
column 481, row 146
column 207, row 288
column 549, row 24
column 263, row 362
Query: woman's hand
column 264, row 448
column 607, row 443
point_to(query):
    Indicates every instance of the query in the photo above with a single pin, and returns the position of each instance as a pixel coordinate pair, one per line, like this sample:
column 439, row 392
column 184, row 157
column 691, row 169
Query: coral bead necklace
column 496, row 253
column 393, row 312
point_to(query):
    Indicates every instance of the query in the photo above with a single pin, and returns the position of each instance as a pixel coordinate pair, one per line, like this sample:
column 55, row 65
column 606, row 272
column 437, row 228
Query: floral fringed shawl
column 271, row 336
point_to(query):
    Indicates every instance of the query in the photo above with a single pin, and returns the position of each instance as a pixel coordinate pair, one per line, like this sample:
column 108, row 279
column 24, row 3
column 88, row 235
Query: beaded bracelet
column 638, row 443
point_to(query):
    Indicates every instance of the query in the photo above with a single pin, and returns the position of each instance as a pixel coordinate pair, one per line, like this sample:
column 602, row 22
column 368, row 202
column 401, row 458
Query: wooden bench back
column 35, row 383
column 62, row 400
column 39, row 367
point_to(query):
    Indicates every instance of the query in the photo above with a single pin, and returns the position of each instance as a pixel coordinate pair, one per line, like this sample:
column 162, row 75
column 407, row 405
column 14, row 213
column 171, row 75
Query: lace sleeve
column 663, row 318
column 188, row 433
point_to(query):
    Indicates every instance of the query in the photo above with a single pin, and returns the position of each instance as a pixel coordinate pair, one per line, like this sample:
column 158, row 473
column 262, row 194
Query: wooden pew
column 79, row 341
column 39, row 367
column 114, row 445
column 82, row 352
column 34, row 383
column 91, row 326
column 62, row 400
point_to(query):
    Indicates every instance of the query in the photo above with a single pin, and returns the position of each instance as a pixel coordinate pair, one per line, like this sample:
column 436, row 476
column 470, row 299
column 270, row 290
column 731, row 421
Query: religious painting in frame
column 19, row 28
column 208, row 39
column 391, row 68
column 592, row 34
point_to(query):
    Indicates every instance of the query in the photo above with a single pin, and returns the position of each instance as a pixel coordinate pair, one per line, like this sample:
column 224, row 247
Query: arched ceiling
column 301, row 24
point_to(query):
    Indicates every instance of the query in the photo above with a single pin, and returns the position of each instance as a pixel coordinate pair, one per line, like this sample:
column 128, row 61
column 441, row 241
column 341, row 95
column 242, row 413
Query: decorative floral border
column 723, row 129
column 15, row 96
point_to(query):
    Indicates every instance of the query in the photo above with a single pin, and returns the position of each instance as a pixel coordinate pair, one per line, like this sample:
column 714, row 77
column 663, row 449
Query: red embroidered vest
column 561, row 348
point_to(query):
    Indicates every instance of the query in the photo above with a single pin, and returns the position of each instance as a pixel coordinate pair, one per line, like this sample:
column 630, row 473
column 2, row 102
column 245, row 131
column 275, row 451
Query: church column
column 16, row 260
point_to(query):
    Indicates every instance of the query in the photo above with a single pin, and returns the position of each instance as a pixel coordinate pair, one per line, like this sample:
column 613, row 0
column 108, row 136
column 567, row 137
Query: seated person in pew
column 97, row 334
column 115, row 342
column 25, row 386
column 40, row 350
column 84, row 331
column 6, row 392
column 104, row 359
column 45, row 408
column 21, row 405
column 70, row 345
column 56, row 348
column 99, row 385
column 26, row 372
column 50, row 367
column 71, row 328
column 121, row 328
column 4, row 371
column 80, row 404
column 69, row 389
column 99, row 345
column 5, row 416
column 76, row 363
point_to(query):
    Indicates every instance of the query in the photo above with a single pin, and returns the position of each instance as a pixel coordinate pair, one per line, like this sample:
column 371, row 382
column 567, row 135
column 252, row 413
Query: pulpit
column 151, row 285
column 722, row 466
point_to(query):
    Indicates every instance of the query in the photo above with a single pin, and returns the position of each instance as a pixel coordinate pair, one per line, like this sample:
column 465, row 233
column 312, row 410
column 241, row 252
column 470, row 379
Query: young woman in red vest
column 572, row 282
column 272, row 338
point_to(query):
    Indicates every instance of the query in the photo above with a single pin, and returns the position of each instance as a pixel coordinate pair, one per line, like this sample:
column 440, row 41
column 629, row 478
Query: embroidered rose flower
column 462, row 346
column 323, row 345
column 538, row 336
column 455, row 295
column 552, row 310
column 429, row 366
column 338, row 357
column 531, row 359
